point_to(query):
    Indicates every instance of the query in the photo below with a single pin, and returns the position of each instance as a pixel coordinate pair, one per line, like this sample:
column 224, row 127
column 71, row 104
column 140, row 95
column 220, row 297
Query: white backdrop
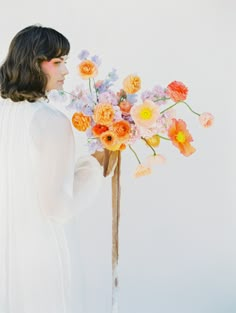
column 178, row 226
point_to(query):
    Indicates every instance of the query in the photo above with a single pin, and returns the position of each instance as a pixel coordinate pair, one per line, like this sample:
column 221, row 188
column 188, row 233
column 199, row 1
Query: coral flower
column 87, row 69
column 181, row 137
column 132, row 84
column 142, row 170
column 177, row 91
column 98, row 129
column 80, row 121
column 122, row 130
column 104, row 113
column 125, row 107
column 206, row 119
column 145, row 114
column 109, row 140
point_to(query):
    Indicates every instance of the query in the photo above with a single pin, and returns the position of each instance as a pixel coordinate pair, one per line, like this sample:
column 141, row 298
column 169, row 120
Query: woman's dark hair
column 21, row 77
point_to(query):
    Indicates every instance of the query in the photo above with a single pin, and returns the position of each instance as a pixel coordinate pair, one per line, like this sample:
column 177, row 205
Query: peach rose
column 132, row 84
column 104, row 114
column 177, row 91
column 87, row 69
column 206, row 119
column 80, row 121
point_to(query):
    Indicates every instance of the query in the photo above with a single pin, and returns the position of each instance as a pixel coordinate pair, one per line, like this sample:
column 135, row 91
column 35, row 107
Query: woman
column 40, row 186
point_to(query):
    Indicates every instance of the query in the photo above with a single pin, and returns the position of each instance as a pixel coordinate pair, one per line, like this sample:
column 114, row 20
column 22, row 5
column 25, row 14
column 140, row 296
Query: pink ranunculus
column 206, row 119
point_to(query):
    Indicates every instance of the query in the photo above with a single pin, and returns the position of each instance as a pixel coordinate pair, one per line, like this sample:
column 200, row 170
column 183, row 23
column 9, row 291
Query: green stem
column 70, row 94
column 76, row 96
column 90, row 88
column 154, row 152
column 162, row 137
column 94, row 85
column 161, row 99
column 169, row 108
column 135, row 154
column 188, row 106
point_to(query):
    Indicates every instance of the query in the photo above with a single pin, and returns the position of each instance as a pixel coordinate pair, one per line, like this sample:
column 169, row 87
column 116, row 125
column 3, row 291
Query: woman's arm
column 64, row 188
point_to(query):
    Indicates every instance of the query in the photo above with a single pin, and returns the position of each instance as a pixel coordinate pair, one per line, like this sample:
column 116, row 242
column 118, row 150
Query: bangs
column 56, row 44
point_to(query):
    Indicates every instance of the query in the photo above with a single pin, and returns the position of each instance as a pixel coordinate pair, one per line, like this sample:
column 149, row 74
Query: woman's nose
column 65, row 70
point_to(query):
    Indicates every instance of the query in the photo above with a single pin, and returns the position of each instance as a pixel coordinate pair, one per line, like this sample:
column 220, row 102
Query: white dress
column 41, row 188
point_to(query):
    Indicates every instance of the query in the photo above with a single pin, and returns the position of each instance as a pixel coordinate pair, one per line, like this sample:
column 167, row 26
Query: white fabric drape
column 41, row 188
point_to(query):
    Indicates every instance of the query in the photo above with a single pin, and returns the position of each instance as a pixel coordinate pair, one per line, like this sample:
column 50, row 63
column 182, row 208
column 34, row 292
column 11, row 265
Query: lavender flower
column 96, row 60
column 94, row 145
column 108, row 96
column 113, row 75
column 83, row 55
column 57, row 96
column 147, row 94
column 118, row 113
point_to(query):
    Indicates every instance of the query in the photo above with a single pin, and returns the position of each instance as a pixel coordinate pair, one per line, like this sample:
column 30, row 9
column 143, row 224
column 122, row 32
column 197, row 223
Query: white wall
column 178, row 226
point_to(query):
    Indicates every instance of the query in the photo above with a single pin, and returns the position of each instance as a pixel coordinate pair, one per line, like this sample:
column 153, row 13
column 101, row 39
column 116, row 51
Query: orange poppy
column 181, row 137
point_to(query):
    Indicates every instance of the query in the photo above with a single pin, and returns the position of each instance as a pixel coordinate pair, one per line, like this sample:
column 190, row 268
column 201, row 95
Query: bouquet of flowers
column 115, row 119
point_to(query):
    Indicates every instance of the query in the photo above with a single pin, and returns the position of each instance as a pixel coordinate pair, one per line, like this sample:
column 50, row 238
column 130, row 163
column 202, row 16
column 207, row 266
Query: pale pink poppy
column 142, row 170
column 206, row 119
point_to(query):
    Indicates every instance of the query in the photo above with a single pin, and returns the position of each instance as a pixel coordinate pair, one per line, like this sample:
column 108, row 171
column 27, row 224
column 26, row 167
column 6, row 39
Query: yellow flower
column 153, row 141
column 132, row 84
column 145, row 114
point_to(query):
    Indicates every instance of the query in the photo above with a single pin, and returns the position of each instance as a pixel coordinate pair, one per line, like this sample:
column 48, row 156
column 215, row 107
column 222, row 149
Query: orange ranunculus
column 125, row 107
column 87, row 69
column 98, row 129
column 132, row 84
column 104, row 113
column 109, row 140
column 181, row 137
column 80, row 121
column 177, row 91
column 121, row 129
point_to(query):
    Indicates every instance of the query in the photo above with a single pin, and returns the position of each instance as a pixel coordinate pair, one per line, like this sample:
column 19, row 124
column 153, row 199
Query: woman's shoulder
column 47, row 117
column 47, row 112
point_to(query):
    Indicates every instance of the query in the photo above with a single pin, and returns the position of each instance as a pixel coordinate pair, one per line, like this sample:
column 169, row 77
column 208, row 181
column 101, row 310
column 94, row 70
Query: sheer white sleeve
column 65, row 187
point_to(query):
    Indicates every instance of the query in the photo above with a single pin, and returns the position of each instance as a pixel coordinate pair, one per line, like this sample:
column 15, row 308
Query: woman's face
column 55, row 70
